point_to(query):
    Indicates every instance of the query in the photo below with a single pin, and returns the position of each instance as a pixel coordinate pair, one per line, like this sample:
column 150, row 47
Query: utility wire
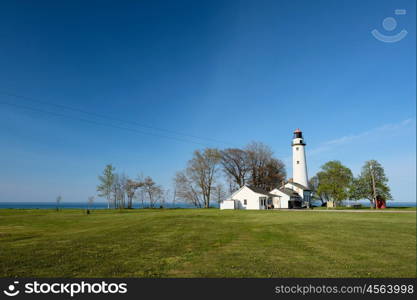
column 111, row 118
column 101, row 123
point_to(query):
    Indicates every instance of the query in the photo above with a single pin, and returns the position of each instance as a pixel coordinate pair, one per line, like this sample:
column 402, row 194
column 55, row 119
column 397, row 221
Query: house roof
column 260, row 191
column 288, row 191
column 299, row 186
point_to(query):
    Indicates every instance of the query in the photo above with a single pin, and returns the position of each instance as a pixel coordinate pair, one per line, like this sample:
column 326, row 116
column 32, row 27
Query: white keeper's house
column 292, row 194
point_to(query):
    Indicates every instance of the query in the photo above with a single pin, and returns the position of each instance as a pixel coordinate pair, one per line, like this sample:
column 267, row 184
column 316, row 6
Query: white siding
column 295, row 188
column 276, row 201
column 299, row 163
column 227, row 204
column 304, row 194
column 284, row 198
column 252, row 199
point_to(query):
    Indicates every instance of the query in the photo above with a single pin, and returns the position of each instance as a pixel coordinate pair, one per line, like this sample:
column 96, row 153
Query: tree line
column 119, row 190
column 212, row 174
column 335, row 182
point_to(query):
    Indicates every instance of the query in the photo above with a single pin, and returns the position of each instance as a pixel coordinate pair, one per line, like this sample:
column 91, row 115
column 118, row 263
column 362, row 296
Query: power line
column 112, row 118
column 101, row 123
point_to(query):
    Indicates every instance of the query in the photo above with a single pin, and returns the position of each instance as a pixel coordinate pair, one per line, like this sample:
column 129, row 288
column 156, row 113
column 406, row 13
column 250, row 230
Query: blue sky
column 229, row 71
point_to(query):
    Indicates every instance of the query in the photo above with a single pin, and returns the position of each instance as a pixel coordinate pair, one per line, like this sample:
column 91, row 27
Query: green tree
column 107, row 181
column 314, row 185
column 371, row 182
column 334, row 181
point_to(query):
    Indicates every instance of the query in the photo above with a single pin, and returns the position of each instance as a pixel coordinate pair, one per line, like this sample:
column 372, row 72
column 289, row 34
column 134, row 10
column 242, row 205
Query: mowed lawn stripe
column 205, row 243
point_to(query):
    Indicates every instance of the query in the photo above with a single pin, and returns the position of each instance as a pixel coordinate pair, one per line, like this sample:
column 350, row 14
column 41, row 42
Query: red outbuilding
column 380, row 202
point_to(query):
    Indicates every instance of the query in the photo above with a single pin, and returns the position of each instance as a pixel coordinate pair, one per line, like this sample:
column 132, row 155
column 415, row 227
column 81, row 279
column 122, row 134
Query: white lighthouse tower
column 299, row 164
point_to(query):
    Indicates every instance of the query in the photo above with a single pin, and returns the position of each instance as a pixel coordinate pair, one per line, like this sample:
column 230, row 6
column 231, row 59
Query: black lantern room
column 298, row 134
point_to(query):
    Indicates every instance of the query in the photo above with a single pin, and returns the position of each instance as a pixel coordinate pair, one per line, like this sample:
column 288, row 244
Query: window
column 298, row 162
column 296, row 148
column 245, row 202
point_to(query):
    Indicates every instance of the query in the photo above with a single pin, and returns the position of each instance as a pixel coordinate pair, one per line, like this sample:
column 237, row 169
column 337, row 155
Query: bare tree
column 274, row 174
column 58, row 202
column 160, row 196
column 166, row 196
column 266, row 171
column 202, row 169
column 174, row 197
column 142, row 197
column 235, row 164
column 220, row 193
column 141, row 194
column 119, row 190
column 131, row 187
column 187, row 190
column 231, row 184
column 90, row 202
column 153, row 191
column 259, row 154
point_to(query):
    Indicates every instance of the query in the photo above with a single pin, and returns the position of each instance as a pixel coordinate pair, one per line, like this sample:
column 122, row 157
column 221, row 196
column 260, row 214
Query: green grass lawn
column 206, row 243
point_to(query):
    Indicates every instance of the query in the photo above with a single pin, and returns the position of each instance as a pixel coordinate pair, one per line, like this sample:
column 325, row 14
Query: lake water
column 103, row 205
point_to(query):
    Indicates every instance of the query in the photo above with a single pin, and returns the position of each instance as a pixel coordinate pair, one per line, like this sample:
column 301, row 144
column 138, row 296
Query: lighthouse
column 299, row 164
column 292, row 194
